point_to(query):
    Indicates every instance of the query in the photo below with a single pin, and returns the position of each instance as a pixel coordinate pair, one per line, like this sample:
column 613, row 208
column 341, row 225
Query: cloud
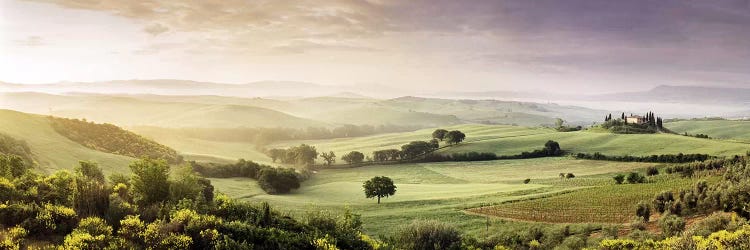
column 155, row 29
column 31, row 41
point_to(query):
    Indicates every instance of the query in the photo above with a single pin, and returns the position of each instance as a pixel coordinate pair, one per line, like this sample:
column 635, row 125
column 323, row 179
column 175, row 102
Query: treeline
column 688, row 169
column 151, row 210
column 303, row 155
column 18, row 148
column 550, row 149
column 265, row 136
column 112, row 139
column 664, row 158
column 272, row 180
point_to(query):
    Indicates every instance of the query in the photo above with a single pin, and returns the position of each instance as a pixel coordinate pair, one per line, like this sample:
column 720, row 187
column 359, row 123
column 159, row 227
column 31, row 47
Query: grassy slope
column 52, row 150
column 429, row 191
column 723, row 129
column 500, row 139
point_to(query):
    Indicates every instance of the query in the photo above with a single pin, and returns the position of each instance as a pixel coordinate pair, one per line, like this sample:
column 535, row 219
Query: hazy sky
column 554, row 45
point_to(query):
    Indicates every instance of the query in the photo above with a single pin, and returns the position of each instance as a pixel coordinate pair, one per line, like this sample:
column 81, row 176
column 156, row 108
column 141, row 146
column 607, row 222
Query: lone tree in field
column 329, row 157
column 353, row 157
column 455, row 137
column 379, row 186
column 439, row 134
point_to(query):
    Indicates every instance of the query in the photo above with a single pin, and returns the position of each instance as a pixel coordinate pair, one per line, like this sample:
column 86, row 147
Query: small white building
column 635, row 119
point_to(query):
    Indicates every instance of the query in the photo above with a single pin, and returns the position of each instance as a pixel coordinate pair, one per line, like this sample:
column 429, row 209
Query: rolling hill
column 51, row 150
column 721, row 129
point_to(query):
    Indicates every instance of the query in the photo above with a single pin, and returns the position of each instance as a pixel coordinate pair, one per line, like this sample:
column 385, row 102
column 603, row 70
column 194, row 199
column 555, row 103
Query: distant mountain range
column 184, row 87
column 682, row 94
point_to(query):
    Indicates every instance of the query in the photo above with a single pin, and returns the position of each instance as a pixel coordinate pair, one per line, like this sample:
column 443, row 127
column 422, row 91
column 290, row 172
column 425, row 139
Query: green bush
column 427, row 235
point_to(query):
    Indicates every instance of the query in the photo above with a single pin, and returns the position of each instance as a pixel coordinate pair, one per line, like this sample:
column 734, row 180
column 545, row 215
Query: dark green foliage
column 439, row 134
column 354, row 157
column 526, row 181
column 427, row 235
column 665, row 158
column 619, row 178
column 386, row 155
column 416, row 148
column 112, row 139
column 455, row 137
column 651, row 171
column 90, row 193
column 643, row 211
column 663, row 201
column 272, row 180
column 379, row 186
column 570, row 176
column 635, row 177
column 278, row 180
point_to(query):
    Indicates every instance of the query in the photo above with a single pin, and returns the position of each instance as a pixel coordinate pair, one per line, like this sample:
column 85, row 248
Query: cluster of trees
column 272, row 180
column 303, row 155
column 551, row 149
column 688, row 169
column 18, row 148
column 651, row 124
column 265, row 136
column 409, row 151
column 730, row 194
column 702, row 136
column 112, row 139
column 632, row 178
column 152, row 209
column 450, row 137
column 664, row 158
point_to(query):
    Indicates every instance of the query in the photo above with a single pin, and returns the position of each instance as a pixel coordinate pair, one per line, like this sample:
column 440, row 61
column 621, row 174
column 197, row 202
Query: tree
column 329, row 157
column 439, row 134
column 379, row 186
column 185, row 185
column 302, row 155
column 455, row 137
column 150, row 181
column 354, row 157
column 552, row 148
column 526, row 181
column 651, row 171
column 416, row 148
column 570, row 176
column 643, row 210
column 90, row 194
column 277, row 154
column 635, row 177
column 619, row 178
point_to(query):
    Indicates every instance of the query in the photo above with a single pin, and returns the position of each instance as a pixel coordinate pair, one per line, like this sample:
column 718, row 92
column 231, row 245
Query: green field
column 721, row 129
column 431, row 190
column 499, row 139
column 51, row 150
column 587, row 205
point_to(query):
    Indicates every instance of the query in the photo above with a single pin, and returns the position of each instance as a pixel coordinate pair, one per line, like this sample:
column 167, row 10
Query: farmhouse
column 635, row 119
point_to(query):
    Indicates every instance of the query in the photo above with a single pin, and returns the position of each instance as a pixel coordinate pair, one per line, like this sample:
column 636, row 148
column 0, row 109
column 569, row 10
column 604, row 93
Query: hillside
column 112, row 139
column 127, row 111
column 683, row 94
column 720, row 129
column 51, row 150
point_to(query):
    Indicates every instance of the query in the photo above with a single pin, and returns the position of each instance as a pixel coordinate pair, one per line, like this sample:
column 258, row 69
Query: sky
column 572, row 46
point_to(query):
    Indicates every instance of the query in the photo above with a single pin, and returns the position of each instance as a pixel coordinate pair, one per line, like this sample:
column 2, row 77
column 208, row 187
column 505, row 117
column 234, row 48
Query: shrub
column 619, row 178
column 643, row 211
column 635, row 177
column 672, row 225
column 651, row 171
column 569, row 176
column 428, row 235
column 526, row 181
